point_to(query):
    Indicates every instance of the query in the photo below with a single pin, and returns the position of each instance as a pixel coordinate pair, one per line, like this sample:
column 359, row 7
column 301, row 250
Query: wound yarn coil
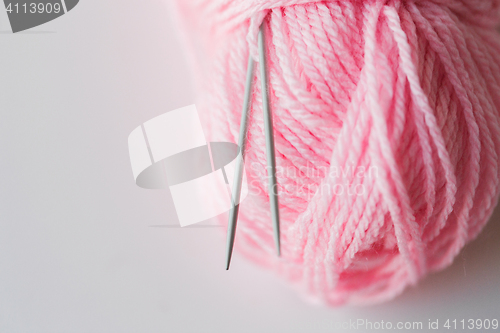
column 387, row 133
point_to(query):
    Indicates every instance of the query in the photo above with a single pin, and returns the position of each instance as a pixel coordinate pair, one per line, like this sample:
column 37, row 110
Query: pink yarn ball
column 386, row 130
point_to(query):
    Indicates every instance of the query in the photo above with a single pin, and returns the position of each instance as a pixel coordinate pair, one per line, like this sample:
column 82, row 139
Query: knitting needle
column 270, row 150
column 271, row 160
column 238, row 175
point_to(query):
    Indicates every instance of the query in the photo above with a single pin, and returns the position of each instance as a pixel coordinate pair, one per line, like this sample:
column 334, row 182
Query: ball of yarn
column 386, row 126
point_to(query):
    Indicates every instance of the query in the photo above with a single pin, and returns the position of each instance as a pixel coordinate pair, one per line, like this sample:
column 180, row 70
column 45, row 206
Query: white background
column 77, row 250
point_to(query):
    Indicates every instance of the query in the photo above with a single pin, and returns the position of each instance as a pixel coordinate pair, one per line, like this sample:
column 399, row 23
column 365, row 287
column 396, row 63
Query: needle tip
column 228, row 259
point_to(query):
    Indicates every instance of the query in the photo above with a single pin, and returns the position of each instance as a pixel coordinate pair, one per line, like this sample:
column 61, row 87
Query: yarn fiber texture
column 386, row 129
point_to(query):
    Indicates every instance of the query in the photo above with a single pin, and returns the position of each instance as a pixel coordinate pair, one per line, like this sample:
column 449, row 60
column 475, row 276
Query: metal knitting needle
column 238, row 175
column 270, row 151
column 271, row 160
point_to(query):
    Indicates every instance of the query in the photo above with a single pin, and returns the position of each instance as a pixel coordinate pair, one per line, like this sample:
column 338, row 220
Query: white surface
column 138, row 151
column 77, row 253
column 201, row 199
column 174, row 132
